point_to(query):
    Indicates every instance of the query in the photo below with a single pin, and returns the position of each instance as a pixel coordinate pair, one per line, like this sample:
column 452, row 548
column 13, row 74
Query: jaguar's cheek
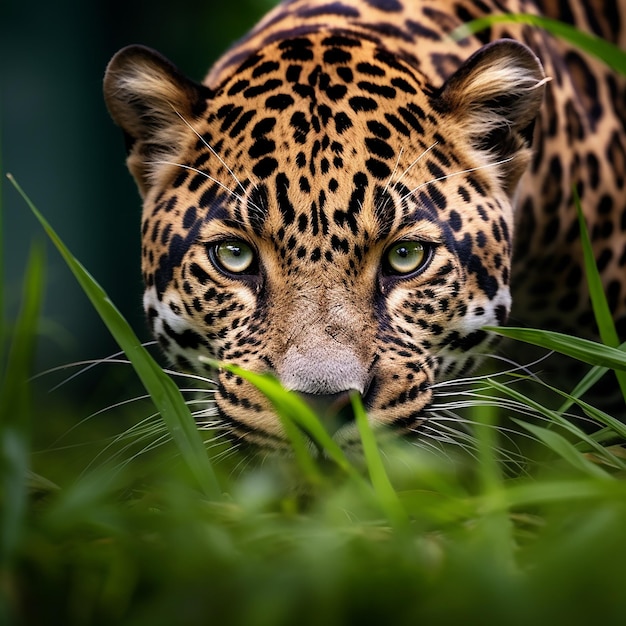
column 401, row 387
column 248, row 412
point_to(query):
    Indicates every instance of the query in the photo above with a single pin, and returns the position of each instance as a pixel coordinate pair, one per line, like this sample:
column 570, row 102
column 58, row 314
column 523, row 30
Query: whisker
column 389, row 182
column 204, row 414
column 415, row 162
column 87, row 362
column 144, row 429
column 157, row 443
column 395, row 169
column 515, row 369
column 459, row 173
column 448, row 429
column 190, row 376
column 212, row 150
column 430, row 434
column 207, row 176
column 432, row 445
column 241, row 466
column 86, row 365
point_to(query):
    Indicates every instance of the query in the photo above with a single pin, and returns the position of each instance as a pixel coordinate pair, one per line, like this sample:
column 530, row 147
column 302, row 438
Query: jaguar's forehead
column 317, row 104
column 321, row 135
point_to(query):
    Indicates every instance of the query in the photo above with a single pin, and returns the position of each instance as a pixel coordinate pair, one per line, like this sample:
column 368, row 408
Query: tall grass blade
column 615, row 426
column 15, row 423
column 286, row 406
column 496, row 525
column 583, row 386
column 297, row 417
column 164, row 393
column 604, row 50
column 563, row 448
column 569, row 491
column 386, row 494
column 584, row 350
column 604, row 318
column 14, row 383
column 556, row 418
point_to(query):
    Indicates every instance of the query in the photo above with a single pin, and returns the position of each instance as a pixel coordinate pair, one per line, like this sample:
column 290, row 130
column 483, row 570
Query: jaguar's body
column 339, row 202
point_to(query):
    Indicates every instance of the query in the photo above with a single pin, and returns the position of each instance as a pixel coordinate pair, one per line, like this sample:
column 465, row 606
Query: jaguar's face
column 339, row 224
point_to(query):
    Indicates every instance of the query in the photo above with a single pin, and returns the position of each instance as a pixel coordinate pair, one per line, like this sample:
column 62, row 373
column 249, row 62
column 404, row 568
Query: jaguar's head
column 327, row 215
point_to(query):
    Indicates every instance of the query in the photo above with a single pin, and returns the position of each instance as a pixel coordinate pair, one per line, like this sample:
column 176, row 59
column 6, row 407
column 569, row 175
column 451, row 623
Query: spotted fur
column 332, row 145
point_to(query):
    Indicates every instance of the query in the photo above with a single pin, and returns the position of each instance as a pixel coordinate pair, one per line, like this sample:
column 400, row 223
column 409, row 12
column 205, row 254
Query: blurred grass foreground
column 118, row 509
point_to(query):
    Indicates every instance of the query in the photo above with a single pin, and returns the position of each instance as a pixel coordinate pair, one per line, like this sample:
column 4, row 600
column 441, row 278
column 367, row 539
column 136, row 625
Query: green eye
column 406, row 257
column 234, row 257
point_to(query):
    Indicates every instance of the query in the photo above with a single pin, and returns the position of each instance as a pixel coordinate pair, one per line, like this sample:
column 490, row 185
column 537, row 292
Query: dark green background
column 60, row 144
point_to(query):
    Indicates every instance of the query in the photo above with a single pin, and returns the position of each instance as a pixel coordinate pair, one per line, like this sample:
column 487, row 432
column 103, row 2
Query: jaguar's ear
column 494, row 99
column 152, row 102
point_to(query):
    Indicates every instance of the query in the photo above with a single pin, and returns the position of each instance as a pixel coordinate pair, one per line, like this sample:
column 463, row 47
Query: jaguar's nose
column 334, row 410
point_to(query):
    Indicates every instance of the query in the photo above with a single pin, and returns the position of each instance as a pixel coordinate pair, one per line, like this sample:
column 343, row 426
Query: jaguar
column 352, row 194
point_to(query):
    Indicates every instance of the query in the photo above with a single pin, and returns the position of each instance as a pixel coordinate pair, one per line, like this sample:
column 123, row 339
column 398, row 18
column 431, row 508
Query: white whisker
column 415, row 162
column 207, row 176
column 395, row 169
column 515, row 369
column 144, row 429
column 190, row 376
column 453, row 174
column 449, row 429
column 86, row 365
column 213, row 152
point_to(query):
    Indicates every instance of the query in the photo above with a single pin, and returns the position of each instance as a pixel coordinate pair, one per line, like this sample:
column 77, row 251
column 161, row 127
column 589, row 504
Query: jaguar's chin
column 335, row 411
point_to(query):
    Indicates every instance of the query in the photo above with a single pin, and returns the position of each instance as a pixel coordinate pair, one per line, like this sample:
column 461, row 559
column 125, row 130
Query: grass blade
column 387, row 496
column 583, row 386
column 570, row 491
column 286, row 405
column 164, row 393
column 584, row 350
column 563, row 448
column 604, row 318
column 15, row 428
column 597, row 415
column 495, row 523
column 553, row 417
column 604, row 50
column 15, row 409
column 293, row 411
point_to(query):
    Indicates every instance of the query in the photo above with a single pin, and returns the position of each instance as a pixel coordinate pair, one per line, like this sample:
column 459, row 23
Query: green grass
column 168, row 534
column 611, row 55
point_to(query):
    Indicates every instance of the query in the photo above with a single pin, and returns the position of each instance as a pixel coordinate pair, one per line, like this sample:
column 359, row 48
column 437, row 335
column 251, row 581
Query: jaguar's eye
column 405, row 257
column 234, row 257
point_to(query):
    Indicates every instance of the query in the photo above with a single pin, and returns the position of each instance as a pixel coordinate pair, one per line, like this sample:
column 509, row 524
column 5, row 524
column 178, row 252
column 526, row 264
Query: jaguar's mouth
column 334, row 410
